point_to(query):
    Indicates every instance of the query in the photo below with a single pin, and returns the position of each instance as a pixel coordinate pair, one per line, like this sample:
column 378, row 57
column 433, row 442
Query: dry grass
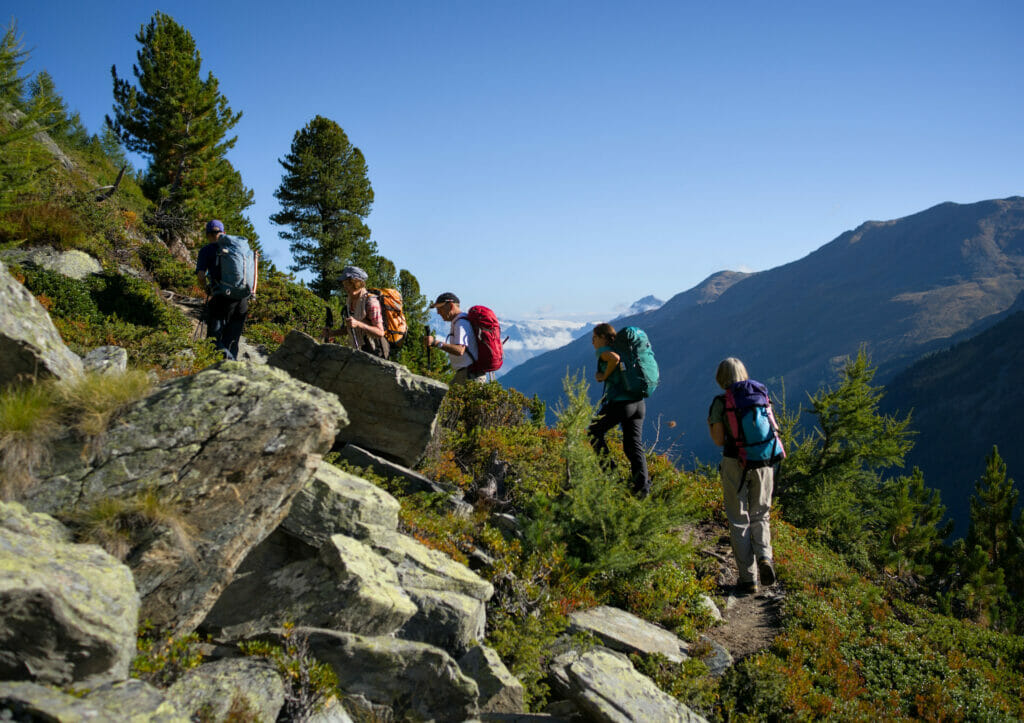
column 92, row 400
column 29, row 422
column 119, row 525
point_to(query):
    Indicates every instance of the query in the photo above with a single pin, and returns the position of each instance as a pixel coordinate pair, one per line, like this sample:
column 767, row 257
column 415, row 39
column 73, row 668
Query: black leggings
column 630, row 417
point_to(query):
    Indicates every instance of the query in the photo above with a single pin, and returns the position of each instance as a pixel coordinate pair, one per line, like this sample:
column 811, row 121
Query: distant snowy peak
column 648, row 303
column 540, row 334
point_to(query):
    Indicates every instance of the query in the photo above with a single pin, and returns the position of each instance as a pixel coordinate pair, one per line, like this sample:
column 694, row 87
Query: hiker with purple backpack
column 742, row 423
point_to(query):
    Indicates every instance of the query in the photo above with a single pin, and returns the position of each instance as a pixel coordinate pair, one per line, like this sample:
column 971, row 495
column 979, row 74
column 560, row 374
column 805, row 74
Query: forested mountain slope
column 899, row 288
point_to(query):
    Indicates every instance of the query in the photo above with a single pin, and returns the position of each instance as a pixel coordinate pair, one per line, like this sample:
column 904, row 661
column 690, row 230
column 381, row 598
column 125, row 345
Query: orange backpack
column 395, row 327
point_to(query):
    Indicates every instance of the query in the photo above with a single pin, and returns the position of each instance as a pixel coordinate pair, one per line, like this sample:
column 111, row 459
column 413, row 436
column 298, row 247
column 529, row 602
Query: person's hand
column 428, row 341
column 328, row 335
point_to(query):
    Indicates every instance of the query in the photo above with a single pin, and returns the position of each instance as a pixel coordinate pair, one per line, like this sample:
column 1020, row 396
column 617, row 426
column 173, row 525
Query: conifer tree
column 180, row 121
column 325, row 195
column 912, row 526
column 48, row 107
column 21, row 160
column 992, row 505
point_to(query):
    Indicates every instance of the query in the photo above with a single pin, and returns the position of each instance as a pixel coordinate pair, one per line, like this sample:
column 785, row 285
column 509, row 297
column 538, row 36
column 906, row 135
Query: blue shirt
column 206, row 260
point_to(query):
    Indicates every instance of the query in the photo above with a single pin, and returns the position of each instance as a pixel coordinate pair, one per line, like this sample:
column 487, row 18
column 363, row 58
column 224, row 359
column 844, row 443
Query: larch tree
column 325, row 196
column 22, row 162
column 180, row 122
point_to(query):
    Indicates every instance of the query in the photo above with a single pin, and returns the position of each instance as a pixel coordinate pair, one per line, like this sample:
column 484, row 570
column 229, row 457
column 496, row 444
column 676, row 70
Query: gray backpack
column 237, row 267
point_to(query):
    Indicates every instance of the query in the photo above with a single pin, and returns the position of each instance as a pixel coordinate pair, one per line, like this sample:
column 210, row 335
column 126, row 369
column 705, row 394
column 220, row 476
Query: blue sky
column 563, row 159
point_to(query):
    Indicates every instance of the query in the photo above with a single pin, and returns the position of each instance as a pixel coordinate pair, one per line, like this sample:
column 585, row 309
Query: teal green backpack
column 636, row 361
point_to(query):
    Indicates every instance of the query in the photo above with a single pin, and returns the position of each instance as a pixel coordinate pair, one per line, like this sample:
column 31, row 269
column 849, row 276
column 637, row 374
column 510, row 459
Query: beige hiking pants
column 748, row 511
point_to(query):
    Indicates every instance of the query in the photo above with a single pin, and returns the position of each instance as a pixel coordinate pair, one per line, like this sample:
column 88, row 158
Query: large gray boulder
column 68, row 613
column 392, row 411
column 214, row 688
column 106, row 360
column 606, row 687
column 131, row 702
column 335, row 502
column 226, row 449
column 30, row 345
column 446, row 619
column 500, row 691
column 73, row 263
column 417, row 681
column 627, row 633
column 343, row 586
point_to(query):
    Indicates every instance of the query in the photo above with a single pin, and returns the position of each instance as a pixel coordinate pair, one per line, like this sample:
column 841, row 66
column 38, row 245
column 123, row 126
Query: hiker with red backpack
column 228, row 269
column 742, row 423
column 625, row 363
column 474, row 343
column 363, row 323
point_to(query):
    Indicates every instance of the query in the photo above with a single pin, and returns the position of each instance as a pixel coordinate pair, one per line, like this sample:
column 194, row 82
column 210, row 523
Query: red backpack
column 487, row 331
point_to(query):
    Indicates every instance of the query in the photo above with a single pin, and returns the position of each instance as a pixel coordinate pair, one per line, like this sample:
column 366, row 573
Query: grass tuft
column 92, row 400
column 29, row 421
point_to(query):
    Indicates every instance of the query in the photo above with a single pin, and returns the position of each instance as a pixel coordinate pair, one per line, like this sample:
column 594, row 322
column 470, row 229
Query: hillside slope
column 900, row 288
column 964, row 400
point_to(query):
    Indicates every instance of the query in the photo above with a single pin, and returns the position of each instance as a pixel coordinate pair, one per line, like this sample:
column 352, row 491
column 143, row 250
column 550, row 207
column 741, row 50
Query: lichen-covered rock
column 392, row 411
column 335, row 502
column 500, row 691
column 446, row 619
column 73, row 263
column 422, row 567
column 213, row 688
column 29, row 342
column 417, row 681
column 68, row 613
column 606, row 687
column 227, row 448
column 106, row 359
column 345, row 586
column 14, row 517
column 627, row 633
column 131, row 701
column 410, row 480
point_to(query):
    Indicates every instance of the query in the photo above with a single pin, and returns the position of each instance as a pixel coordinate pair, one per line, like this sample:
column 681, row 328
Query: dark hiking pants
column 630, row 417
column 225, row 319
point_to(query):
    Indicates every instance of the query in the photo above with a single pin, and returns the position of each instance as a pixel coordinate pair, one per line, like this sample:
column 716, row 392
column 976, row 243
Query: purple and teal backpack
column 751, row 426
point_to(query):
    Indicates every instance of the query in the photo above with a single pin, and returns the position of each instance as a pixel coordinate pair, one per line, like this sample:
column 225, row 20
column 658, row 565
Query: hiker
column 460, row 344
column 741, row 422
column 228, row 269
column 363, row 324
column 618, row 406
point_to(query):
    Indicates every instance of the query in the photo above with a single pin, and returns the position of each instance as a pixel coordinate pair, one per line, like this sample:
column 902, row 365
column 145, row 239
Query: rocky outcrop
column 415, row 680
column 30, row 345
column 627, row 633
column 74, row 264
column 214, row 688
column 392, row 411
column 106, row 359
column 68, row 613
column 335, row 502
column 500, row 691
column 225, row 450
column 408, row 480
column 131, row 701
column 606, row 687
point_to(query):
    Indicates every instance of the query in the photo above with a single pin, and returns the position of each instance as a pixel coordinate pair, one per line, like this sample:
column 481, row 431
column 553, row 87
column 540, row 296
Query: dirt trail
column 752, row 621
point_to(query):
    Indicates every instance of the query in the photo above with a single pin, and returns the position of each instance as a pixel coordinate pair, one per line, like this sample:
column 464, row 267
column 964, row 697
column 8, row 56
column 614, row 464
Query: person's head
column 447, row 305
column 604, row 335
column 214, row 228
column 353, row 279
column 730, row 371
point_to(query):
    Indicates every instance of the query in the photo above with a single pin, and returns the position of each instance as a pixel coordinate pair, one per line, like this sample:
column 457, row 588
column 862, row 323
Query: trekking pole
column 352, row 332
column 426, row 331
column 329, row 323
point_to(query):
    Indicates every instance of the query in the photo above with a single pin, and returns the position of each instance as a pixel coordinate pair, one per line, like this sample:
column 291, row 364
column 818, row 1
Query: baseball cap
column 214, row 225
column 353, row 272
column 444, row 299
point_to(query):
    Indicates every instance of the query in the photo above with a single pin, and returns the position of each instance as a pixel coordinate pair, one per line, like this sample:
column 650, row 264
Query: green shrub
column 160, row 659
column 167, row 271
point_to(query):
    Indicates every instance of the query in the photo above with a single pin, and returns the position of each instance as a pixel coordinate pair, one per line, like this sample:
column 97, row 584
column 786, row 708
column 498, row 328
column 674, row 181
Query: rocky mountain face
column 899, row 288
column 260, row 539
column 964, row 400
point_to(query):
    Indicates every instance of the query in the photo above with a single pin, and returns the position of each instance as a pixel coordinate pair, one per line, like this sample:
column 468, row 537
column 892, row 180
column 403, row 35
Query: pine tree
column 181, row 123
column 992, row 505
column 325, row 195
column 22, row 161
column 912, row 527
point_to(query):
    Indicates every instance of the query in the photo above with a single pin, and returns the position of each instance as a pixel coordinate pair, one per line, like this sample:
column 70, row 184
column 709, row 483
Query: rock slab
column 627, row 633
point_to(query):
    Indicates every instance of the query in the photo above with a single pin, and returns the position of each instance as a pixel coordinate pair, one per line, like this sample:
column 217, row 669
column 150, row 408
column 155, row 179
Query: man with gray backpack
column 227, row 268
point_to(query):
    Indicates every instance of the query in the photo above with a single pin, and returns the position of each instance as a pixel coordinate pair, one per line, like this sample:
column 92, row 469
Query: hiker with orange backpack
column 363, row 324
column 474, row 343
column 742, row 423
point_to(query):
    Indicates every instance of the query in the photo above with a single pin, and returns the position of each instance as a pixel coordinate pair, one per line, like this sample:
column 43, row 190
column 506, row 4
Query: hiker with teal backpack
column 227, row 268
column 742, row 423
column 625, row 363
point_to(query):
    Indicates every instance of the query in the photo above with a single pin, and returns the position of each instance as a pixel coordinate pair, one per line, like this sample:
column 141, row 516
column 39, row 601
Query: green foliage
column 325, row 194
column 688, row 681
column 309, row 683
column 161, row 660
column 181, row 122
column 912, row 528
column 281, row 305
column 167, row 271
column 831, row 481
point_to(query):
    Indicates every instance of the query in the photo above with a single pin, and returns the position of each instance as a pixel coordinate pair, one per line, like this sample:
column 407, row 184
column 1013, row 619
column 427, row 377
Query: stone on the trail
column 214, row 688
column 106, row 359
column 718, row 659
column 392, row 411
column 606, row 687
column 707, row 605
column 627, row 633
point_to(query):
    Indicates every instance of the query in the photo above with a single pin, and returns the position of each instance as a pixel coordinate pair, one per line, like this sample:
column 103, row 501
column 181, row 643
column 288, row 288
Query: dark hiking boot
column 766, row 571
column 746, row 588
